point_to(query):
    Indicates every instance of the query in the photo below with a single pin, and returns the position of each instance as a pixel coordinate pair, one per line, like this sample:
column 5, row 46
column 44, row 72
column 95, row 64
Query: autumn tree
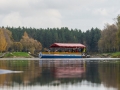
column 3, row 43
column 29, row 44
column 108, row 40
column 17, row 46
column 118, row 33
column 9, row 38
column 38, row 46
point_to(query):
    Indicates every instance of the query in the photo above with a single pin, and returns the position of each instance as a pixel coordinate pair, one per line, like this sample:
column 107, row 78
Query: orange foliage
column 29, row 44
column 3, row 43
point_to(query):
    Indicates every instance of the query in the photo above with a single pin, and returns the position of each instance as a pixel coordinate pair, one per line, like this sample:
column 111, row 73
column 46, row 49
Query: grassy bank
column 115, row 55
column 112, row 55
column 107, row 55
column 17, row 54
column 27, row 55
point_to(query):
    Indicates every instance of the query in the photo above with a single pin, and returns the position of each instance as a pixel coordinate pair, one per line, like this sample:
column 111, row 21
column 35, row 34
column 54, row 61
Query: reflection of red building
column 69, row 71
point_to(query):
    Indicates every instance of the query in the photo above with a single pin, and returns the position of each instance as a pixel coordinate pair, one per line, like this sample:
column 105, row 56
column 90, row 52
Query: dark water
column 60, row 74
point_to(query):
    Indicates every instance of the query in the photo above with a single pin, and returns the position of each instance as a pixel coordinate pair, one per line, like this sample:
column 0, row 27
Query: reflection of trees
column 4, row 77
column 92, row 74
column 110, row 74
column 42, row 73
column 31, row 70
column 36, row 72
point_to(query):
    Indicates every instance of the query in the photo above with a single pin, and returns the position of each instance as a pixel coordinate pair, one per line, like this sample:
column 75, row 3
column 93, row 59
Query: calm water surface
column 59, row 74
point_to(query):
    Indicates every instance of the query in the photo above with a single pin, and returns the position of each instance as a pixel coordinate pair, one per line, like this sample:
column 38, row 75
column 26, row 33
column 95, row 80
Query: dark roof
column 67, row 45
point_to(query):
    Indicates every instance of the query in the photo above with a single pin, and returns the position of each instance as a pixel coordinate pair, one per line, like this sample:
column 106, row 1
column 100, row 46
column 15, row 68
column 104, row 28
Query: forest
column 35, row 40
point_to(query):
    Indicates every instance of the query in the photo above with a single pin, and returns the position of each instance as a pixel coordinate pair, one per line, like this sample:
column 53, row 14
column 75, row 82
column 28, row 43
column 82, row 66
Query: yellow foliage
column 25, row 35
column 3, row 43
column 29, row 44
column 17, row 46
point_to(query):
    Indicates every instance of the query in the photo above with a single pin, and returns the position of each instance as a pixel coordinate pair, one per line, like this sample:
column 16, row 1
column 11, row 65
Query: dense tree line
column 62, row 35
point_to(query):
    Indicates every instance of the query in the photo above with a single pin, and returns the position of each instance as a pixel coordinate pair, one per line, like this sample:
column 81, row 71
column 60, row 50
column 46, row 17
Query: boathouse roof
column 67, row 45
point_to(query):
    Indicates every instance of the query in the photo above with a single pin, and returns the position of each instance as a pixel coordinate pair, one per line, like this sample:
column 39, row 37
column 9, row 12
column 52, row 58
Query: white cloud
column 101, row 11
column 14, row 3
column 12, row 19
column 49, row 18
column 44, row 19
column 81, row 14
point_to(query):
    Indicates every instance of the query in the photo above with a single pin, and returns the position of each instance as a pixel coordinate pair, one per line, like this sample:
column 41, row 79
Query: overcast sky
column 80, row 14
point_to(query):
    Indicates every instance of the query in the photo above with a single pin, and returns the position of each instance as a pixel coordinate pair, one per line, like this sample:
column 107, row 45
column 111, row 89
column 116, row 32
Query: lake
column 60, row 74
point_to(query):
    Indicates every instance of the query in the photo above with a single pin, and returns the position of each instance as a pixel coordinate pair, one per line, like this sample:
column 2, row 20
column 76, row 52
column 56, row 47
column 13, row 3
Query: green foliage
column 91, row 39
column 20, row 54
column 1, row 54
column 116, row 55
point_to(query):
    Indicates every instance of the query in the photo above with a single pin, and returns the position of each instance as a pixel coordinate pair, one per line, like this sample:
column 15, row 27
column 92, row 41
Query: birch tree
column 118, row 33
column 108, row 40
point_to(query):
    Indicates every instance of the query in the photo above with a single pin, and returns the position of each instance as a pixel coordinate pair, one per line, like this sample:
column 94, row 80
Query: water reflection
column 61, row 74
column 3, row 71
column 109, row 73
